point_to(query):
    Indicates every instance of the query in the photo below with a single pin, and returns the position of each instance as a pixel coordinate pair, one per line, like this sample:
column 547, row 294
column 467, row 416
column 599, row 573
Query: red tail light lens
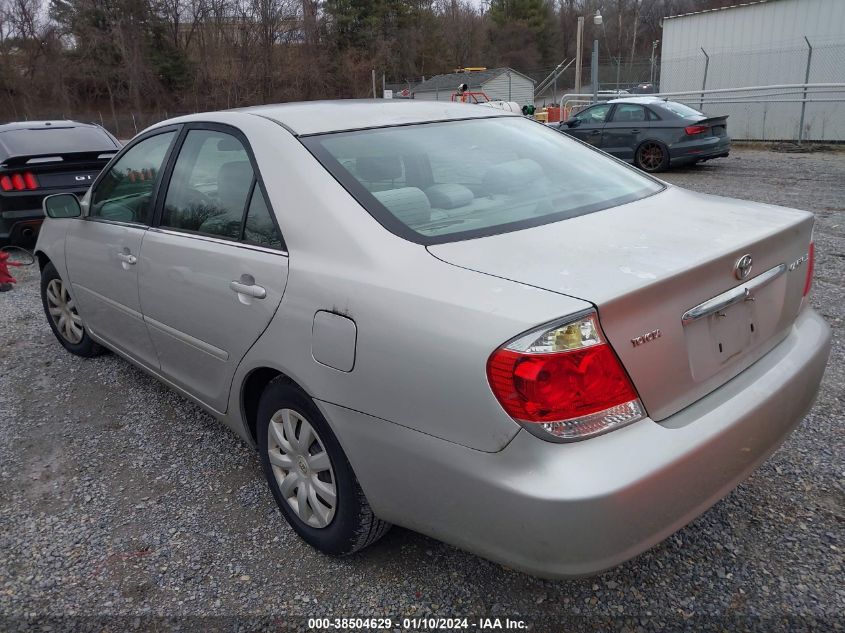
column 19, row 182
column 564, row 383
column 811, row 264
column 30, row 180
column 696, row 129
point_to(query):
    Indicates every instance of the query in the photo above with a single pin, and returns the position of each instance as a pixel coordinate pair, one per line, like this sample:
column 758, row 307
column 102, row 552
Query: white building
column 765, row 43
column 505, row 84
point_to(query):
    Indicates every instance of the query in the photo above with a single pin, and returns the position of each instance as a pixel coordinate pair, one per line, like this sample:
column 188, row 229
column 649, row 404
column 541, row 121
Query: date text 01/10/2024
column 416, row 624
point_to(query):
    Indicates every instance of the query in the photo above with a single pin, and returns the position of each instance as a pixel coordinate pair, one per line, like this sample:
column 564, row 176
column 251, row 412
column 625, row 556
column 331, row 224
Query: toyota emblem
column 742, row 268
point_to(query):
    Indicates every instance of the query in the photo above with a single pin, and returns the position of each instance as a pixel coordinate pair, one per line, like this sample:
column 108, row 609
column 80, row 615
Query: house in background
column 505, row 84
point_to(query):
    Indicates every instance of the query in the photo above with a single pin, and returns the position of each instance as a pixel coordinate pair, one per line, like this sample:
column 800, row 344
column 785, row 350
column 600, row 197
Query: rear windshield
column 447, row 181
column 682, row 110
column 55, row 140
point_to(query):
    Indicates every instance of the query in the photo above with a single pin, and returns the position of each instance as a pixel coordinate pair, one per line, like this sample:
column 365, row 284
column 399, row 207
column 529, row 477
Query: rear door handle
column 127, row 258
column 249, row 290
column 635, row 131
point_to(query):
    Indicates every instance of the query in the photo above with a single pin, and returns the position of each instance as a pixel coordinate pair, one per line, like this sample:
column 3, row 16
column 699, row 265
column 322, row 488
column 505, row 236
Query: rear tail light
column 30, row 180
column 696, row 129
column 564, row 382
column 19, row 182
column 811, row 264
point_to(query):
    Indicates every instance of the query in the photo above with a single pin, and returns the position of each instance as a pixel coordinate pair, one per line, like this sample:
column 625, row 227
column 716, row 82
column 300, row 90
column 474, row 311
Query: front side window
column 211, row 182
column 595, row 115
column 463, row 179
column 125, row 192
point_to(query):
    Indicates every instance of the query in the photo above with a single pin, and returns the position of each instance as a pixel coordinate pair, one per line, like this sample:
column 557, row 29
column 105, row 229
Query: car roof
column 317, row 117
column 640, row 100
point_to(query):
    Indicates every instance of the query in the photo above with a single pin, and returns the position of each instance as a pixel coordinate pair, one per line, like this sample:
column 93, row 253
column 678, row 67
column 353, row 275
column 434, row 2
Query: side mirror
column 62, row 205
column 572, row 122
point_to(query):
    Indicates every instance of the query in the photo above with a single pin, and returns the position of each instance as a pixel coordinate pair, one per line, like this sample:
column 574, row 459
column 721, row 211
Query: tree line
column 63, row 56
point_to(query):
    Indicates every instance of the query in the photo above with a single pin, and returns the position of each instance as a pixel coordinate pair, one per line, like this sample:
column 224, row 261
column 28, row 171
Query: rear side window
column 211, row 183
column 214, row 191
column 125, row 192
column 260, row 228
column 629, row 113
column 446, row 181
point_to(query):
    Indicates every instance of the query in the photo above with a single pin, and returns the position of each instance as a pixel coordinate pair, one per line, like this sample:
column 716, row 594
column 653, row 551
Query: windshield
column 453, row 180
column 682, row 110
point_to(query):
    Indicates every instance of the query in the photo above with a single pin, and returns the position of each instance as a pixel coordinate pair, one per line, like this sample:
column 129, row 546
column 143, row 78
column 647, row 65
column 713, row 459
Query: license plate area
column 731, row 329
column 724, row 335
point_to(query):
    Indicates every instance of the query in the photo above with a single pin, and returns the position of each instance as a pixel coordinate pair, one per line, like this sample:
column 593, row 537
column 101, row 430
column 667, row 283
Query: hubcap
column 63, row 312
column 302, row 468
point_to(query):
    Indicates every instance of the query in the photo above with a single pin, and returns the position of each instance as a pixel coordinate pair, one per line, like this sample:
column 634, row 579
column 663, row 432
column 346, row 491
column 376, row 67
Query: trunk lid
column 718, row 125
column 646, row 265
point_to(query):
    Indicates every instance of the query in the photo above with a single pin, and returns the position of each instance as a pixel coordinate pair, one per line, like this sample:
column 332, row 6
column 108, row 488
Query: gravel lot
column 120, row 498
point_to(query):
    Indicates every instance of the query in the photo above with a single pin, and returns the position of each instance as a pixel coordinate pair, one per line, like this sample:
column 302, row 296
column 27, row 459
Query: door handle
column 249, row 290
column 127, row 258
column 635, row 131
column 594, row 132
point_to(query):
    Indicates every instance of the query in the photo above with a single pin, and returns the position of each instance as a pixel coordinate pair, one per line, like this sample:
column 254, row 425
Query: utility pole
column 595, row 65
column 578, row 37
column 653, row 48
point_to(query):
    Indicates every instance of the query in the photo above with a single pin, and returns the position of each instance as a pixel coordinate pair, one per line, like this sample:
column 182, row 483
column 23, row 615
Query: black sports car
column 650, row 132
column 39, row 158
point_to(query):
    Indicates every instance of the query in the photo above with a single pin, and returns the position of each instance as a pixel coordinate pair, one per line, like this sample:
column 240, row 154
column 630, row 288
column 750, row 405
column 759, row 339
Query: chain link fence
column 784, row 112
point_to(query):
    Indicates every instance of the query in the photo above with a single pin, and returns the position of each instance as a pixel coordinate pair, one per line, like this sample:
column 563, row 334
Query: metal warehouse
column 778, row 43
column 504, row 84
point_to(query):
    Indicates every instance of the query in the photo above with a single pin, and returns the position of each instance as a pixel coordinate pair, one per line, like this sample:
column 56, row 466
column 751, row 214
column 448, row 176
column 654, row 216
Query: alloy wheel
column 302, row 468
column 63, row 312
column 651, row 156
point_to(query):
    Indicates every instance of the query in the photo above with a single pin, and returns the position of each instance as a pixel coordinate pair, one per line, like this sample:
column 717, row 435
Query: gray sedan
column 652, row 133
column 416, row 321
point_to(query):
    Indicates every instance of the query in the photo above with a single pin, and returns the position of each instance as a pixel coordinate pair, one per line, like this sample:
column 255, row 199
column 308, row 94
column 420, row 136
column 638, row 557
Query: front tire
column 309, row 475
column 63, row 316
column 652, row 157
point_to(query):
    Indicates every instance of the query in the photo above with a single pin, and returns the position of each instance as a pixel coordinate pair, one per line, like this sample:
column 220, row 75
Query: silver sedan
column 449, row 318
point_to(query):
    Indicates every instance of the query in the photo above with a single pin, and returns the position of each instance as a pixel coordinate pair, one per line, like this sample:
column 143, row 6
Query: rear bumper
column 559, row 510
column 20, row 226
column 704, row 149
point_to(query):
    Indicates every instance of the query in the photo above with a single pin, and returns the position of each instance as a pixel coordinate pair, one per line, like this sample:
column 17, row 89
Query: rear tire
column 63, row 316
column 652, row 157
column 309, row 475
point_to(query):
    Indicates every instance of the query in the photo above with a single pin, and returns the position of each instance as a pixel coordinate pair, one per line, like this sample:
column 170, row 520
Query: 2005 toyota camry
column 449, row 318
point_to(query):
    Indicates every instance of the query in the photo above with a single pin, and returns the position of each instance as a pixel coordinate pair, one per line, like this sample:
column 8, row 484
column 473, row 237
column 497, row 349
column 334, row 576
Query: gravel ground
column 120, row 499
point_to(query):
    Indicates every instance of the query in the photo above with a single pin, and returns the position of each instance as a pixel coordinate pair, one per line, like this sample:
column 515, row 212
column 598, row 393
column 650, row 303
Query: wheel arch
column 252, row 387
column 43, row 260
